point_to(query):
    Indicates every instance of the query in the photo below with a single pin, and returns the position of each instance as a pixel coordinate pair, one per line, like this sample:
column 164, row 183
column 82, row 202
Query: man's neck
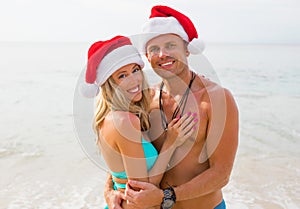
column 177, row 85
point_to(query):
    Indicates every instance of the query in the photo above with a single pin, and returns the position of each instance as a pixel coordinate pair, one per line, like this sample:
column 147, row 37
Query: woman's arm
column 132, row 152
column 221, row 152
column 129, row 142
column 112, row 197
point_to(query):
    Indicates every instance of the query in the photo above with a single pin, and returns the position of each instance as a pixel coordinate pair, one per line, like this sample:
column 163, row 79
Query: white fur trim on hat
column 164, row 25
column 196, row 46
column 115, row 60
column 112, row 62
column 159, row 26
column 168, row 25
column 89, row 90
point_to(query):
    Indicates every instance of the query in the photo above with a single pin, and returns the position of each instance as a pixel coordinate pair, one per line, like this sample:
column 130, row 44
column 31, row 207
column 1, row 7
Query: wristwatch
column 169, row 198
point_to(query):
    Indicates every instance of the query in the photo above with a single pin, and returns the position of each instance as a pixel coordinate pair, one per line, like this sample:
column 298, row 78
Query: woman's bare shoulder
column 126, row 124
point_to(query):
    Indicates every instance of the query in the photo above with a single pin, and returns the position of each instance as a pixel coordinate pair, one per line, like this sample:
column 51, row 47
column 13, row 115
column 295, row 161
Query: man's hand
column 148, row 195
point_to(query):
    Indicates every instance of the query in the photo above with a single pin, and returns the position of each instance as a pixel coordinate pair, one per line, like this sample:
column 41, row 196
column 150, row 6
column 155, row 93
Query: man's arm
column 112, row 197
column 221, row 149
column 221, row 146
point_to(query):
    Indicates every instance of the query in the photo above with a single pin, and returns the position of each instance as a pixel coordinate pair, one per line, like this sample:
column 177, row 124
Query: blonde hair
column 112, row 98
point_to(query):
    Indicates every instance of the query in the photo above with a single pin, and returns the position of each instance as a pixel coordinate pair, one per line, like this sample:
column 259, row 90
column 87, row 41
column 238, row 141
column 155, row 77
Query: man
column 201, row 167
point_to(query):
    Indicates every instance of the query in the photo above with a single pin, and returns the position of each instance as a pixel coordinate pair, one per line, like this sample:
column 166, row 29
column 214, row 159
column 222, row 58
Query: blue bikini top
column 151, row 157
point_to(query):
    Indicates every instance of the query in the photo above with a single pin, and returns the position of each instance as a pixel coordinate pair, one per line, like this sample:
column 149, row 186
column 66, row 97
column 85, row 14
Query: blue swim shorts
column 222, row 205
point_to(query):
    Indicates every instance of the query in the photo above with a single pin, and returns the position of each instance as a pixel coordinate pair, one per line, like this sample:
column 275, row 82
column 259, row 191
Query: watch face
column 169, row 198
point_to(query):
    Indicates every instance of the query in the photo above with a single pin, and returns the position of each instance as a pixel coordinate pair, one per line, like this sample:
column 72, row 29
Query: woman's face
column 129, row 79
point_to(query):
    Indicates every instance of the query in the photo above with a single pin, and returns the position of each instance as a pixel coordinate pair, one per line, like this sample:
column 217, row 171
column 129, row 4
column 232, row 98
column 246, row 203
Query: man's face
column 167, row 54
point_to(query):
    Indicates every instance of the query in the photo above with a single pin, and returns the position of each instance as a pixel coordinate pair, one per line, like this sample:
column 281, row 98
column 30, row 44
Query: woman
column 121, row 119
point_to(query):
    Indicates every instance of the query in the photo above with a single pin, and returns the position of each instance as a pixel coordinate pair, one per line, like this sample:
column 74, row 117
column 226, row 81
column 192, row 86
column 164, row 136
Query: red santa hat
column 165, row 20
column 105, row 58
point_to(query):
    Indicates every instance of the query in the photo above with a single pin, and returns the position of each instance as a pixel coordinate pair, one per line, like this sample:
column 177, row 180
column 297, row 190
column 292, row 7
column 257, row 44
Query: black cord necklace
column 181, row 105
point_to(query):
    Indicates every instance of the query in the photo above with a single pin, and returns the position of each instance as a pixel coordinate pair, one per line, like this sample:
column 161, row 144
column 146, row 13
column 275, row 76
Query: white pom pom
column 89, row 90
column 196, row 46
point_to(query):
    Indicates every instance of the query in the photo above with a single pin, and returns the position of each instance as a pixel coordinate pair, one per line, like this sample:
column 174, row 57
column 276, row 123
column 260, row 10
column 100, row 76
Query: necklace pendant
column 180, row 106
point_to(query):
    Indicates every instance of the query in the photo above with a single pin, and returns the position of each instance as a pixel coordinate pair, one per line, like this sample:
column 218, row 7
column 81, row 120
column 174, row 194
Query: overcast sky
column 246, row 21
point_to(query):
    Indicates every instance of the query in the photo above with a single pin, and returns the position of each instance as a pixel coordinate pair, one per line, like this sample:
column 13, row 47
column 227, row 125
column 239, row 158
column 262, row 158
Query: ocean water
column 44, row 165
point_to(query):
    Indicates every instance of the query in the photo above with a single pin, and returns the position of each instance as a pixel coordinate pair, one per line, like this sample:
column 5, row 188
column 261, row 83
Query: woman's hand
column 114, row 199
column 180, row 129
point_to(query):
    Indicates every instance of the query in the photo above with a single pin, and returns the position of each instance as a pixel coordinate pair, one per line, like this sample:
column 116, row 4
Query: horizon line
column 206, row 42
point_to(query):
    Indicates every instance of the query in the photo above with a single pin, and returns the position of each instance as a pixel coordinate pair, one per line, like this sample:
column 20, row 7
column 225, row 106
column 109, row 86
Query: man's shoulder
column 210, row 85
column 212, row 90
